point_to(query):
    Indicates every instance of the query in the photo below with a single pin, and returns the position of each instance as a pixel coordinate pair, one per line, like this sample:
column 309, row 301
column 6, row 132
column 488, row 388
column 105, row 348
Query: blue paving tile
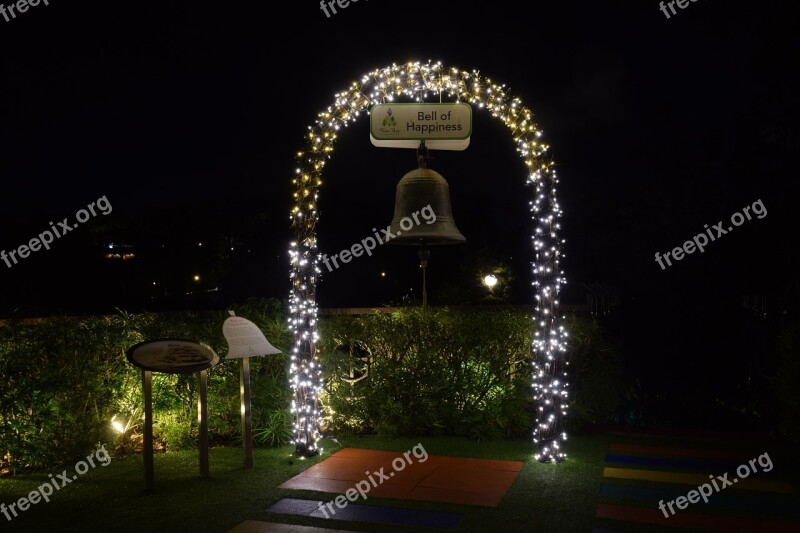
column 369, row 513
column 294, row 506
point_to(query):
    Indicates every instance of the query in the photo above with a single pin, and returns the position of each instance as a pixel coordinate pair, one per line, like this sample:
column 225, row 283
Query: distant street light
column 490, row 280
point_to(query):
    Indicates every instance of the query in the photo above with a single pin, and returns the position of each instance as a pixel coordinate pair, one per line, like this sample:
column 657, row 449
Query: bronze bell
column 418, row 189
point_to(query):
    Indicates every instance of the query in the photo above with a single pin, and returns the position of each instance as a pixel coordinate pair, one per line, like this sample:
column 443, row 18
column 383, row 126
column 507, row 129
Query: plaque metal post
column 147, row 386
column 247, row 419
column 202, row 419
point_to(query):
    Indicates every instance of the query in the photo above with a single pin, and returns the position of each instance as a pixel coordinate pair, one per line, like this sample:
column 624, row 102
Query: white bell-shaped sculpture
column 245, row 339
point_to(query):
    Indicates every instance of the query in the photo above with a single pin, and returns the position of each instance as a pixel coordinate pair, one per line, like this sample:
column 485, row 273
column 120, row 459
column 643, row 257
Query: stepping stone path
column 456, row 480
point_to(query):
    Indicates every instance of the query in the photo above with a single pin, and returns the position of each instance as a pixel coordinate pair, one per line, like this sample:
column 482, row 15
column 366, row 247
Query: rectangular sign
column 406, row 122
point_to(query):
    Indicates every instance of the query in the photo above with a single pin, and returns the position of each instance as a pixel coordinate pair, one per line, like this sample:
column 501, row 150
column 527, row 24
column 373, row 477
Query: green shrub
column 446, row 372
column 412, row 372
column 177, row 433
column 431, row 372
column 61, row 382
column 65, row 379
column 276, row 431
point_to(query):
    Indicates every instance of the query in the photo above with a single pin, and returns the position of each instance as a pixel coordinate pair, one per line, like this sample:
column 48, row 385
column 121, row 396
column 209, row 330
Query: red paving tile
column 441, row 479
column 734, row 524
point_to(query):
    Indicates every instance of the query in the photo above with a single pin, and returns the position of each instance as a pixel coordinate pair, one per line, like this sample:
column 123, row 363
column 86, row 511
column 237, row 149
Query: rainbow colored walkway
column 650, row 484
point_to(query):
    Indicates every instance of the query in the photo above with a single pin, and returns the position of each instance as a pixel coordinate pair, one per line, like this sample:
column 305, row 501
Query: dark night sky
column 186, row 115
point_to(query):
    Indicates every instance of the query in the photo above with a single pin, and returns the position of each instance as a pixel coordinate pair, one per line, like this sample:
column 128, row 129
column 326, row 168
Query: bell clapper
column 424, row 254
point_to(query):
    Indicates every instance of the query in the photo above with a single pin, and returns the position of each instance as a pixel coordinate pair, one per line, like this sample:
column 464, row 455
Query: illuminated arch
column 419, row 81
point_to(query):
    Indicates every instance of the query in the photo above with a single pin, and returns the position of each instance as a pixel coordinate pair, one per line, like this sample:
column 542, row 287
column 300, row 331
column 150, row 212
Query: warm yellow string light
column 419, row 81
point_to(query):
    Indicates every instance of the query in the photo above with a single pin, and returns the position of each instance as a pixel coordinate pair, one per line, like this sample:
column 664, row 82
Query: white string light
column 419, row 81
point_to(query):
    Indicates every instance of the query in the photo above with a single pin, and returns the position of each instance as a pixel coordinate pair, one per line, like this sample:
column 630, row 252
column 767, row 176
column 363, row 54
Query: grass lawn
column 547, row 498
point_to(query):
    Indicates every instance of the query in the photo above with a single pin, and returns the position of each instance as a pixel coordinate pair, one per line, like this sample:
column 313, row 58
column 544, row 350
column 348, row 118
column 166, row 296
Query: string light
column 419, row 81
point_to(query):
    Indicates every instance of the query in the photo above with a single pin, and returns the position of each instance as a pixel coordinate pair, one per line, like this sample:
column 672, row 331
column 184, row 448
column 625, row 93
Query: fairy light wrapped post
column 306, row 372
column 418, row 81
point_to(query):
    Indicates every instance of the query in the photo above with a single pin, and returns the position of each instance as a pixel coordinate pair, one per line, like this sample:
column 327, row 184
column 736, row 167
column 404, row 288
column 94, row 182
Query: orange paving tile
column 441, row 479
